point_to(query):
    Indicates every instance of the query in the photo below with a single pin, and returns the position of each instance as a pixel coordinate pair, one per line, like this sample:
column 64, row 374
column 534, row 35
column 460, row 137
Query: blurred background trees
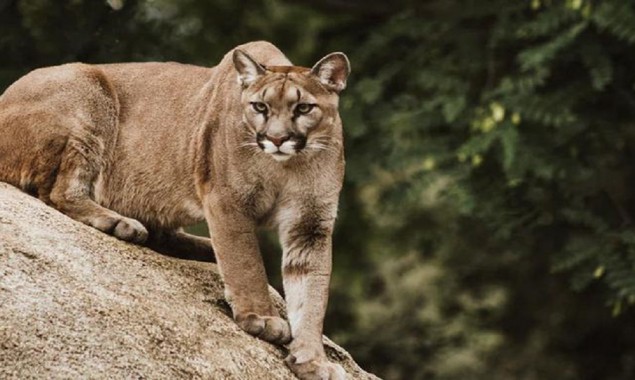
column 486, row 226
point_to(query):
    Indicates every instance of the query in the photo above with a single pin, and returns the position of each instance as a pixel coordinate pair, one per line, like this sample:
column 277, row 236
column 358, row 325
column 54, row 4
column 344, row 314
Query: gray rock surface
column 76, row 303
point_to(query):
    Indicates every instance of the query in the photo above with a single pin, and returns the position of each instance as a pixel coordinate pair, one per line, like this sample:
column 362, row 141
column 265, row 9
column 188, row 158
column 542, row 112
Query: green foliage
column 511, row 123
column 445, row 324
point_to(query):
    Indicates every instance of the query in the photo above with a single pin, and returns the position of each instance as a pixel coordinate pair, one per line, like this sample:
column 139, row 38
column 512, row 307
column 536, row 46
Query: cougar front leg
column 306, row 271
column 235, row 244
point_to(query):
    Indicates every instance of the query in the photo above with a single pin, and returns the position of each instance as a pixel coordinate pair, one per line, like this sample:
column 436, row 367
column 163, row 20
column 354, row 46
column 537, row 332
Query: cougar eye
column 259, row 107
column 304, row 108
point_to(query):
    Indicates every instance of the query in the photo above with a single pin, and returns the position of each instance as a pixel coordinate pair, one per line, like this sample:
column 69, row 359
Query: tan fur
column 139, row 150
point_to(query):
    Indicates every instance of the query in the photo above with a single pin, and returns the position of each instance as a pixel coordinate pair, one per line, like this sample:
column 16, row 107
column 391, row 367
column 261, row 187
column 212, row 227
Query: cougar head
column 290, row 110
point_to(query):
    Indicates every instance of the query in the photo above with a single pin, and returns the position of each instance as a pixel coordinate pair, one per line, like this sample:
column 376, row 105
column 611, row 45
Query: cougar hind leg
column 89, row 149
column 50, row 161
column 58, row 132
column 73, row 191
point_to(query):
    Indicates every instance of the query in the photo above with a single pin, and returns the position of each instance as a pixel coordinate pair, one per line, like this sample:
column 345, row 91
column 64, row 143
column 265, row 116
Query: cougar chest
column 271, row 195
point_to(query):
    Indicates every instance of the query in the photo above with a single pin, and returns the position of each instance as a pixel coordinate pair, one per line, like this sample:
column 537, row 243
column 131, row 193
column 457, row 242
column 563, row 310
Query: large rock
column 76, row 303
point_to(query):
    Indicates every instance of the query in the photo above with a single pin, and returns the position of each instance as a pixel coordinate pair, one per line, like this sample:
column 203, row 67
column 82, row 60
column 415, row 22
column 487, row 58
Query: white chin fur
column 280, row 157
column 288, row 147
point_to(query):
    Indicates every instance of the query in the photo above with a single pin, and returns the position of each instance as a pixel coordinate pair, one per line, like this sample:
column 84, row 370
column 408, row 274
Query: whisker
column 321, row 142
column 248, row 145
column 315, row 146
column 325, row 139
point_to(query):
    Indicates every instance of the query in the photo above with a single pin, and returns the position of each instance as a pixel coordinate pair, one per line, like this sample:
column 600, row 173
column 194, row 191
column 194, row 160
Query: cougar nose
column 278, row 140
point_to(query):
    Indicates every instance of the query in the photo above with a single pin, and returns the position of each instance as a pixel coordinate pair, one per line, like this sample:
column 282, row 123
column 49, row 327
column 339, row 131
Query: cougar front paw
column 121, row 227
column 307, row 366
column 271, row 329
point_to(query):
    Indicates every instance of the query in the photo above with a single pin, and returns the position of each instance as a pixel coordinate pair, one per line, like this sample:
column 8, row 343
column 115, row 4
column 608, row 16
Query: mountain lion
column 138, row 150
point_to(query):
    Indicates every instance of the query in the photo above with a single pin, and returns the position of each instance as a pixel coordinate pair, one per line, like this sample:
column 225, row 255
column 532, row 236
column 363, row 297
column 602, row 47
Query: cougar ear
column 332, row 71
column 248, row 69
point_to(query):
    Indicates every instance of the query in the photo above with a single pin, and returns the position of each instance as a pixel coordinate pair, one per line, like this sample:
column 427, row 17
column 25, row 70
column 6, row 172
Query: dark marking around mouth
column 259, row 138
column 300, row 143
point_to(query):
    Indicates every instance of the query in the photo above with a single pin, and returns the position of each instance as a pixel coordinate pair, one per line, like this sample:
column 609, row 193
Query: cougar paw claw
column 271, row 329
